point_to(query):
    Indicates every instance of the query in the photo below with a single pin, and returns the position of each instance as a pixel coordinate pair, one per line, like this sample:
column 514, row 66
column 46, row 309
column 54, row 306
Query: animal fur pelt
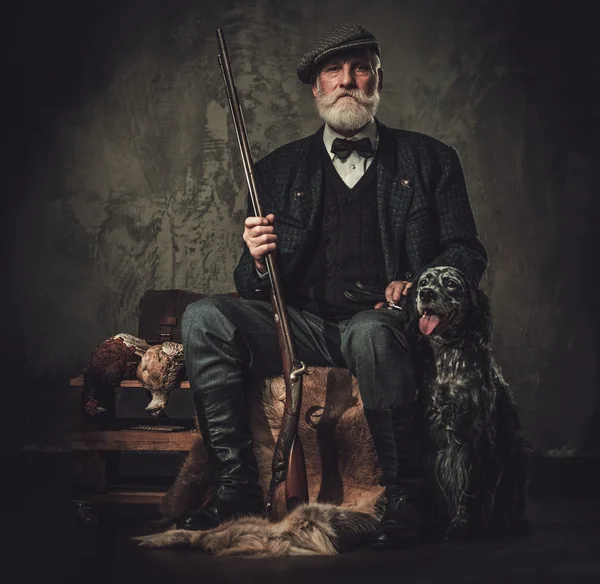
column 311, row 529
column 191, row 489
column 111, row 362
column 341, row 463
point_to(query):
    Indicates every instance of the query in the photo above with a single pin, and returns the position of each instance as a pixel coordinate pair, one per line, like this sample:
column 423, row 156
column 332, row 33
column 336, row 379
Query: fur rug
column 311, row 529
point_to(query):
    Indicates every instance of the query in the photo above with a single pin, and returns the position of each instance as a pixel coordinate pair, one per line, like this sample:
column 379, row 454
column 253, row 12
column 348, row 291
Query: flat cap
column 342, row 37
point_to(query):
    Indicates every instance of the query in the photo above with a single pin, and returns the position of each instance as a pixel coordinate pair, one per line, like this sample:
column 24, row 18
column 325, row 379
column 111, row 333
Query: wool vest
column 347, row 249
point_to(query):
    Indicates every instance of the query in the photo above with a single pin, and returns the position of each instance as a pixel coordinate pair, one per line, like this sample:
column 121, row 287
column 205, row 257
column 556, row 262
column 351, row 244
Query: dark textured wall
column 122, row 172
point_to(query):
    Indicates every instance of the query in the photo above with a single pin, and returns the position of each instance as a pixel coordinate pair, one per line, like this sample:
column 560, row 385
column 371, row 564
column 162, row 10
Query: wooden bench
column 96, row 452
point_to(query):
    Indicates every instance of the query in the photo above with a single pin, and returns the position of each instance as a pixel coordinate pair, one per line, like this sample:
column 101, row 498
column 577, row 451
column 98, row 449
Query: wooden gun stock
column 296, row 483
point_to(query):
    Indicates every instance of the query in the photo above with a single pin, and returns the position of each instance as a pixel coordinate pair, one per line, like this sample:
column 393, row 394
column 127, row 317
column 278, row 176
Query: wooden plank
column 127, row 497
column 78, row 382
column 133, row 440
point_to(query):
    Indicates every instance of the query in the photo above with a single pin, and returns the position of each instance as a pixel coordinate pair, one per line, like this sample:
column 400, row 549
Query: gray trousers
column 227, row 340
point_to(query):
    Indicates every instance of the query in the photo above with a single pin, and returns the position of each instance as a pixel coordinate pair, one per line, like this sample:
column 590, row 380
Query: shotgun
column 289, row 485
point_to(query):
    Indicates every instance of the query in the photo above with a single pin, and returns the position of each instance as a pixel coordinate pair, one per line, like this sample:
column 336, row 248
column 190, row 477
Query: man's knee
column 378, row 330
column 204, row 315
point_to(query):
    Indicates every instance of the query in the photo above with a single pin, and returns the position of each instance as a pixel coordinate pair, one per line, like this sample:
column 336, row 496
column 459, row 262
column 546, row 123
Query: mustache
column 358, row 95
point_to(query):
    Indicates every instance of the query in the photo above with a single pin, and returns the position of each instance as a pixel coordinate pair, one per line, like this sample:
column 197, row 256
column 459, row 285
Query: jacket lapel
column 300, row 212
column 314, row 176
column 394, row 197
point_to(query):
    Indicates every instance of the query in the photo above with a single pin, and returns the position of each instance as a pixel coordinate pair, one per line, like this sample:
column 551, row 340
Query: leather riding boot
column 398, row 438
column 224, row 425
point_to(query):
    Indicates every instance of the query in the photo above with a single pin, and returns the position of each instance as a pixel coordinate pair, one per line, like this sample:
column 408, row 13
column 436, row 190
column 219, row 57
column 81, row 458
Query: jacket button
column 409, row 275
column 405, row 182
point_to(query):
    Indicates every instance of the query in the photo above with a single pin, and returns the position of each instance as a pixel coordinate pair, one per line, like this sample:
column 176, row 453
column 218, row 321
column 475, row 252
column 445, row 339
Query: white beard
column 348, row 114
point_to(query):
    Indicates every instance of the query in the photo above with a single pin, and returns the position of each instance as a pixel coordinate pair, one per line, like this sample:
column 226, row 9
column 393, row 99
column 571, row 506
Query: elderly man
column 356, row 201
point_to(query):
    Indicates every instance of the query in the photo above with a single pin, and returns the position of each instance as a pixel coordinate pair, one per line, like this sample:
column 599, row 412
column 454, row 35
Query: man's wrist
column 261, row 269
column 262, row 276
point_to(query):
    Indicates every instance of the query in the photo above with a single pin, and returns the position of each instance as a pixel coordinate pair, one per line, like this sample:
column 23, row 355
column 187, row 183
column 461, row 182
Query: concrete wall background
column 122, row 171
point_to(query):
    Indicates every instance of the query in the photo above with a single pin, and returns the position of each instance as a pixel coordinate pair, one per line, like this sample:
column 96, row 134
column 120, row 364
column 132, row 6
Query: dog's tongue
column 428, row 322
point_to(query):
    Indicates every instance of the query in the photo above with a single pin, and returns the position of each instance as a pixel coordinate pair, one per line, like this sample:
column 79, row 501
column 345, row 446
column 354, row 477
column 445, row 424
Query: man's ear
column 313, row 82
column 379, row 79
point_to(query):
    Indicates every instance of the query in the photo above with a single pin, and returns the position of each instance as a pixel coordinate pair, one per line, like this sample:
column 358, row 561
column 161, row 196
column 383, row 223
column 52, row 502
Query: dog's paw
column 167, row 539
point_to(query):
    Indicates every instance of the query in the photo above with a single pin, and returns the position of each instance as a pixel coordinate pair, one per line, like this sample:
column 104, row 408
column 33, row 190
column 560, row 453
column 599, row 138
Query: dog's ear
column 409, row 309
column 479, row 318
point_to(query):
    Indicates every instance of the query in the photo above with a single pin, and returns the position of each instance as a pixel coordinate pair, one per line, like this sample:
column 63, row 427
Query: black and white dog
column 478, row 460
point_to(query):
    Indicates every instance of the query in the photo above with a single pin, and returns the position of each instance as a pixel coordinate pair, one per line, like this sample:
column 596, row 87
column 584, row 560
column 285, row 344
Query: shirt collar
column 369, row 131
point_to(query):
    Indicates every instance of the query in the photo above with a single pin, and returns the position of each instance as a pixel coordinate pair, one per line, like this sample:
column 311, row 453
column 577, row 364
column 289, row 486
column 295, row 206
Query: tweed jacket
column 423, row 208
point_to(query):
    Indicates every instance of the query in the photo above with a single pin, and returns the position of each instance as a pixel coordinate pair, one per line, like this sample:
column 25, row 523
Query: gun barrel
column 238, row 121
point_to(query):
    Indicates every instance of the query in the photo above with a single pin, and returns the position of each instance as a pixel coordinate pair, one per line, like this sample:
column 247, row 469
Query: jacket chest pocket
column 298, row 207
column 290, row 232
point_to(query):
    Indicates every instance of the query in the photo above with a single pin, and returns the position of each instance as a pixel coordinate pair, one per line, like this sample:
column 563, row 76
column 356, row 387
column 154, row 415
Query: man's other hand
column 394, row 292
column 259, row 235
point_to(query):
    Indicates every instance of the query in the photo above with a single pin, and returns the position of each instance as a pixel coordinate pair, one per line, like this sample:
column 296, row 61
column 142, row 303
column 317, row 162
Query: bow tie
column 343, row 148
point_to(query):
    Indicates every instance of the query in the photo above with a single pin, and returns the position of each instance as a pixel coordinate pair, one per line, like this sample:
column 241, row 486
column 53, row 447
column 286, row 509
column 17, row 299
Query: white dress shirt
column 354, row 167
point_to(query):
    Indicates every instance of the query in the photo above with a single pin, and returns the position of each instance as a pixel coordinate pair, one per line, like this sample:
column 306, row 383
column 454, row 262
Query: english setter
column 478, row 460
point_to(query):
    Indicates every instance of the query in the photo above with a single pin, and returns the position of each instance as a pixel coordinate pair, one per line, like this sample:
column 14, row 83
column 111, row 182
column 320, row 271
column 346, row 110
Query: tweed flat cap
column 344, row 36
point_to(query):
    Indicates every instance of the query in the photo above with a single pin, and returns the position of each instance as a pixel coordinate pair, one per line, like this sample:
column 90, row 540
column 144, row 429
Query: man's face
column 346, row 90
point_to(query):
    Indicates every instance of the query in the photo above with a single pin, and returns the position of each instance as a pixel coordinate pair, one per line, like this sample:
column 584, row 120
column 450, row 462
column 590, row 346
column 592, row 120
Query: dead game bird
column 111, row 362
column 159, row 370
